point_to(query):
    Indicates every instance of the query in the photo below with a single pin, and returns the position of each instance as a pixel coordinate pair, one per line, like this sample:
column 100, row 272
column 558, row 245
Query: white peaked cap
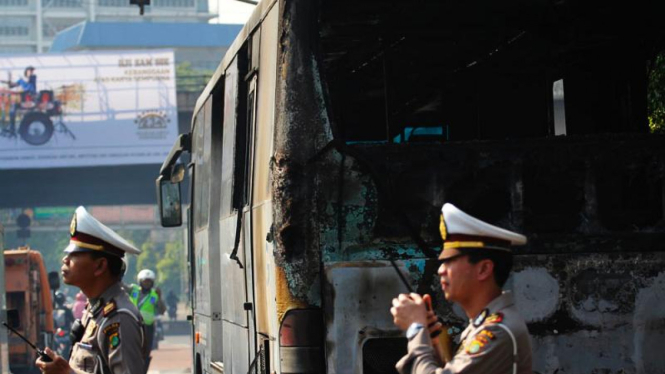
column 90, row 235
column 460, row 230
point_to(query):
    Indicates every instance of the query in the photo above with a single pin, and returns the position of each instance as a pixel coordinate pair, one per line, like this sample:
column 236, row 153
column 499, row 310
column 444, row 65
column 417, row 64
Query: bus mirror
column 178, row 173
column 170, row 210
column 54, row 280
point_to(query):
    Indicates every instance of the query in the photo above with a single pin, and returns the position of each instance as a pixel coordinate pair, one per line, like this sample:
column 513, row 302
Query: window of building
column 61, row 3
column 13, row 30
column 174, row 3
column 16, row 49
column 113, row 3
column 13, row 3
column 15, row 27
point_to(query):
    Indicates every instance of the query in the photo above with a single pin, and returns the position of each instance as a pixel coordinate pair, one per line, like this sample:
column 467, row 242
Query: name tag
column 87, row 347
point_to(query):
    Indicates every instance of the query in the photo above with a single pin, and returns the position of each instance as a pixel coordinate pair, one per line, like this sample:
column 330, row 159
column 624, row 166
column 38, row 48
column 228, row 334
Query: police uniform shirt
column 496, row 342
column 113, row 337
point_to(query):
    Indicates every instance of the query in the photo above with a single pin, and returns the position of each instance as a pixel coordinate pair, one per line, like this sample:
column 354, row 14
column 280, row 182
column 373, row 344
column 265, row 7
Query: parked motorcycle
column 159, row 332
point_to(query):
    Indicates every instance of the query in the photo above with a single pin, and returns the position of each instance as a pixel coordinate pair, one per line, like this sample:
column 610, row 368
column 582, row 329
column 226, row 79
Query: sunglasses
column 450, row 259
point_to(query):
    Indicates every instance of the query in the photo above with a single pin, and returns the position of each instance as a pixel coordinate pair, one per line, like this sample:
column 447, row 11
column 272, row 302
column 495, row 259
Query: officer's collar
column 503, row 301
column 96, row 305
column 106, row 296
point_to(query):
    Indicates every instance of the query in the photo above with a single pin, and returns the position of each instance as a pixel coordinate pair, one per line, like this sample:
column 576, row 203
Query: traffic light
column 140, row 3
column 23, row 221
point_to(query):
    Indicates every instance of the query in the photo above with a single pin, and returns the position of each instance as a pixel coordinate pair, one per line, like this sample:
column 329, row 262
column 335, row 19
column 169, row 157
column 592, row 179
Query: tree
column 171, row 267
column 656, row 94
column 189, row 79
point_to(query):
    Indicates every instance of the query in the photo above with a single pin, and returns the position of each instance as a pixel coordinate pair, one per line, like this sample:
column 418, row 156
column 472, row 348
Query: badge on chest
column 90, row 331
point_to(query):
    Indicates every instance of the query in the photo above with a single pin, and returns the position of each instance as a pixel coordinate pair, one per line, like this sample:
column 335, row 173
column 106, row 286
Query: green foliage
column 656, row 95
column 171, row 267
column 50, row 244
column 167, row 260
column 189, row 79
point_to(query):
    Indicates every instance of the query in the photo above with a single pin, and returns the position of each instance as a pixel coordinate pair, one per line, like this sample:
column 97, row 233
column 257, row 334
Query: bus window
column 491, row 83
column 228, row 140
column 234, row 150
column 559, row 108
column 201, row 147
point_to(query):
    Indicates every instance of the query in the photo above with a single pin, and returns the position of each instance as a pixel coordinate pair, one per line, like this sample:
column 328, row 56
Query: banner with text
column 87, row 109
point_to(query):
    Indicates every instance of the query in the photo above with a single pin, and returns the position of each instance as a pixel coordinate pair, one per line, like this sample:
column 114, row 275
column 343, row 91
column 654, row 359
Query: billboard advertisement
column 87, row 109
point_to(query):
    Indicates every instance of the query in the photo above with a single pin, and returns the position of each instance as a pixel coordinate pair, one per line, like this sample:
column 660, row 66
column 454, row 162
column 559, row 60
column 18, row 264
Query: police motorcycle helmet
column 145, row 274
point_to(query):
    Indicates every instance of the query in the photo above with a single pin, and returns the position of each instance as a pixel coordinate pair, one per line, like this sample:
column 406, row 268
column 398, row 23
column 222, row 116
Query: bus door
column 235, row 219
column 200, row 233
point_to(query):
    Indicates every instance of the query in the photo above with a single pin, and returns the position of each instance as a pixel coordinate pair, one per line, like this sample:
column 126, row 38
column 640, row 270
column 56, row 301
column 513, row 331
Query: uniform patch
column 494, row 318
column 109, row 308
column 474, row 347
column 112, row 328
column 486, row 334
column 114, row 339
column 480, row 342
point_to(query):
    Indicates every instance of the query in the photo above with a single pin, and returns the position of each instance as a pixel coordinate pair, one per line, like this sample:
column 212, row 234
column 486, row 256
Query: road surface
column 173, row 356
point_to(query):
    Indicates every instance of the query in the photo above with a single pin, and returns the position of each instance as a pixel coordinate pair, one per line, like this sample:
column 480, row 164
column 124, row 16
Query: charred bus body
column 332, row 132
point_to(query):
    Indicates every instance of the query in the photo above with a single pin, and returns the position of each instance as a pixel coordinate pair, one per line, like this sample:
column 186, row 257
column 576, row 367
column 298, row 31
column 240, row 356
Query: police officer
column 475, row 263
column 112, row 330
column 149, row 302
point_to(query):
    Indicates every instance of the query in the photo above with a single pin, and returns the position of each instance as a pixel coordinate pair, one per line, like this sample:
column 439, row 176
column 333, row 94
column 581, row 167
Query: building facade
column 29, row 26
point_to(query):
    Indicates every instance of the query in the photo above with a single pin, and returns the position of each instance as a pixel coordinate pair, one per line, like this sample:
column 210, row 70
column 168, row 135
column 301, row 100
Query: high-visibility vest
column 146, row 304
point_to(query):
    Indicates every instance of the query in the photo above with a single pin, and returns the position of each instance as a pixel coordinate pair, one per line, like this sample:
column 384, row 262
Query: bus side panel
column 202, row 297
column 233, row 287
column 358, row 296
column 203, row 348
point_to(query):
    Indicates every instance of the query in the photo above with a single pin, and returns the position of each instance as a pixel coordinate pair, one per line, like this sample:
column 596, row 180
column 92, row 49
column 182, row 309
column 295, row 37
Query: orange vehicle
column 28, row 291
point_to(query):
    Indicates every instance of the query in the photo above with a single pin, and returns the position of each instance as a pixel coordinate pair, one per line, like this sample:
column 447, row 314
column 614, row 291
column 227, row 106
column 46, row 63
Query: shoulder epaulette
column 110, row 308
column 494, row 318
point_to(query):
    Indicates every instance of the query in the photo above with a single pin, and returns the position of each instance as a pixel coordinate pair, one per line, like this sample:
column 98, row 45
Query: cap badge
column 442, row 228
column 72, row 226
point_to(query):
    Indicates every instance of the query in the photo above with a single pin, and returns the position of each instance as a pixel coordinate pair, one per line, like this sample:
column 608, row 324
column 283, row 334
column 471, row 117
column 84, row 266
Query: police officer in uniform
column 149, row 302
column 112, row 339
column 475, row 263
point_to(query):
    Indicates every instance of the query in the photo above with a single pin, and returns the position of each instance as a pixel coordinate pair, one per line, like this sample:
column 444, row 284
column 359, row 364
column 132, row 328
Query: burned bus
column 330, row 135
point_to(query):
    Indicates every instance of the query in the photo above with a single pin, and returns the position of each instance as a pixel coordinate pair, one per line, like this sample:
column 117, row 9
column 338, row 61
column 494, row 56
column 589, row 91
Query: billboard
column 87, row 109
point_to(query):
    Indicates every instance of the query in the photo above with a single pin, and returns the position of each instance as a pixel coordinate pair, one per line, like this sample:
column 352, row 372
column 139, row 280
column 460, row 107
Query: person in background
column 149, row 302
column 62, row 315
column 172, row 302
column 475, row 263
column 26, row 85
column 79, row 305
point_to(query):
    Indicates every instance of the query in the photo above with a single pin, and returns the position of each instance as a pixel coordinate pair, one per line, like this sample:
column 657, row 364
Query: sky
column 231, row 11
